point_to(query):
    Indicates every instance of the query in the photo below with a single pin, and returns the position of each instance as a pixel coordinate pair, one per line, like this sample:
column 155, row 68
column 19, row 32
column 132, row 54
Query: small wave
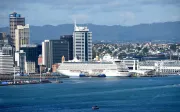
column 1, row 100
column 107, row 92
column 78, row 81
column 122, row 90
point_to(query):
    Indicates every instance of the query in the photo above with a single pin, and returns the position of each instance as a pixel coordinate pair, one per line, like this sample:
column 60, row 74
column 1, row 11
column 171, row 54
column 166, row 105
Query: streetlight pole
column 40, row 72
column 14, row 74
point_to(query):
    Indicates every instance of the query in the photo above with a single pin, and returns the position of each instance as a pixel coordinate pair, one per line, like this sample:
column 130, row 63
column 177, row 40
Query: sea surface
column 155, row 94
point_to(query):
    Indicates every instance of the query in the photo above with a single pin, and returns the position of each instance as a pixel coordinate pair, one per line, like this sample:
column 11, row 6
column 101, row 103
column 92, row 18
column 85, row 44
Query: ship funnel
column 63, row 59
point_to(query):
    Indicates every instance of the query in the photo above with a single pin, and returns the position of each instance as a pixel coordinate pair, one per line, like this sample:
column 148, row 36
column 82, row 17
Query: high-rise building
column 2, row 39
column 1, row 44
column 6, row 63
column 20, row 60
column 82, row 43
column 32, row 53
column 45, row 53
column 8, row 41
column 8, row 50
column 14, row 20
column 53, row 50
column 2, row 35
column 69, row 38
column 21, row 36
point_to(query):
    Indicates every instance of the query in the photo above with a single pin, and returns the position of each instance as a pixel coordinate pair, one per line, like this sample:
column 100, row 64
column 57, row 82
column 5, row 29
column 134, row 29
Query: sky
column 101, row 12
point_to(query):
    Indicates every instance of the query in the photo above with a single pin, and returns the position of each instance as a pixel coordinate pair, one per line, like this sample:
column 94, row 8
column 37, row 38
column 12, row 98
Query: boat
column 59, row 81
column 95, row 107
column 76, row 68
column 98, row 75
column 45, row 81
column 84, row 74
column 101, row 75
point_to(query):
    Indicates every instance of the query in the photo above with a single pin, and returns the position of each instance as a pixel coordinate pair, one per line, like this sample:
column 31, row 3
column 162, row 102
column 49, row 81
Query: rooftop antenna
column 170, row 56
column 178, row 53
column 75, row 23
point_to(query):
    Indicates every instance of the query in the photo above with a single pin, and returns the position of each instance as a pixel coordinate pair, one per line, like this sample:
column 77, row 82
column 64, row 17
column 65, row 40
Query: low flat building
column 161, row 67
column 142, row 72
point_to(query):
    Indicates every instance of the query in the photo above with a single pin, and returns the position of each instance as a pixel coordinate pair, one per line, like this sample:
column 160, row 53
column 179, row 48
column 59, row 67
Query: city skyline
column 63, row 12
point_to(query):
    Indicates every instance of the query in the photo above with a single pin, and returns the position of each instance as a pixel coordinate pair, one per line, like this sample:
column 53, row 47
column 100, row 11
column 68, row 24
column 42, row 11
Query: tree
column 138, row 48
column 93, row 53
column 145, row 50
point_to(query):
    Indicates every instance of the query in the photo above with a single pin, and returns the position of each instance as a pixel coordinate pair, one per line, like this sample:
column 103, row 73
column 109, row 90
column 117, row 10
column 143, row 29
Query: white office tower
column 21, row 36
column 82, row 43
column 6, row 64
column 45, row 52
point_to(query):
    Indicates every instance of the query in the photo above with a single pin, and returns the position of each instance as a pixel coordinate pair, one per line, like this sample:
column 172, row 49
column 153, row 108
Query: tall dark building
column 14, row 20
column 53, row 50
column 69, row 39
column 32, row 53
column 2, row 35
column 2, row 38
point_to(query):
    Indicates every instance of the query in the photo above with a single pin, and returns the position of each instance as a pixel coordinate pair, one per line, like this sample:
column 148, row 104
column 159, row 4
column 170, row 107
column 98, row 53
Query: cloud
column 105, row 5
column 83, row 18
column 175, row 18
column 12, row 5
column 92, row 11
column 126, row 18
column 128, row 15
column 160, row 2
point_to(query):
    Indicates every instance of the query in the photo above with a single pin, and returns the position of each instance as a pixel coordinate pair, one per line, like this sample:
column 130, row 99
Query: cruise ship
column 74, row 68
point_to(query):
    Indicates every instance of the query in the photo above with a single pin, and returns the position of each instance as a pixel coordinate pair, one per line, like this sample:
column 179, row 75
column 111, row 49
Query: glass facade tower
column 82, row 43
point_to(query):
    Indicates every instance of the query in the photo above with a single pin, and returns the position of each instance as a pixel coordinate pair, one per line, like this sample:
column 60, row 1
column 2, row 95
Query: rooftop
column 80, row 28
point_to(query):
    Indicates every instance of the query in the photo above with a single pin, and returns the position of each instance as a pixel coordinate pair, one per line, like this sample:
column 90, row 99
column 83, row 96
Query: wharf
column 10, row 83
column 154, row 76
column 36, row 76
column 148, row 75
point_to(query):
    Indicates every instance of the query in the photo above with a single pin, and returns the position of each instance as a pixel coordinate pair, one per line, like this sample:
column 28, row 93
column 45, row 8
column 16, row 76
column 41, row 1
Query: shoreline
column 37, row 76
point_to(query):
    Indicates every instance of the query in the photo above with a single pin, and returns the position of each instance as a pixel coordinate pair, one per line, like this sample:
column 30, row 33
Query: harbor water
column 155, row 94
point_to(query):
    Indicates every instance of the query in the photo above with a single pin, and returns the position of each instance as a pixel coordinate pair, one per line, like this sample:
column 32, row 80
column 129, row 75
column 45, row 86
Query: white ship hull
column 107, row 73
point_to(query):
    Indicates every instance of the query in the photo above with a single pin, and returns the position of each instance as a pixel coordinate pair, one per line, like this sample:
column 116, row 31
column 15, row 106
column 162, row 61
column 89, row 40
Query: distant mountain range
column 142, row 32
